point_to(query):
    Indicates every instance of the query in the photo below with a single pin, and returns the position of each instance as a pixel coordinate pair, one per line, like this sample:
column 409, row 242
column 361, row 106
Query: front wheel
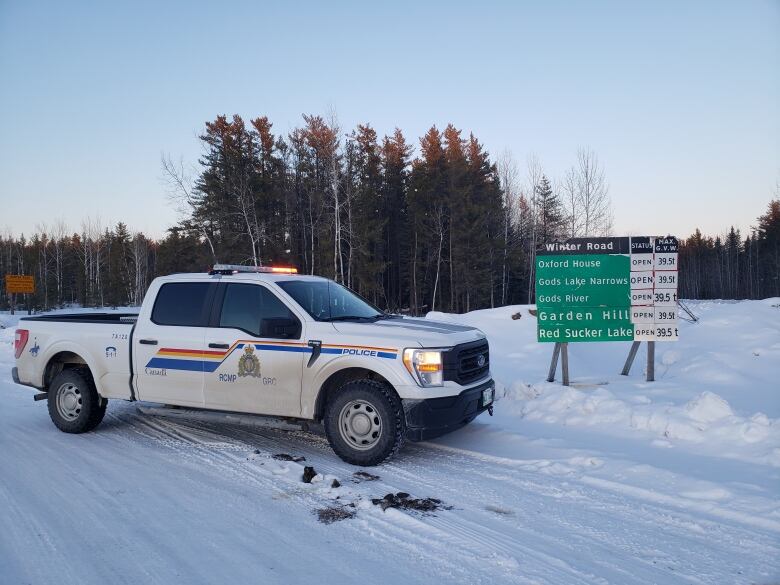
column 74, row 404
column 364, row 422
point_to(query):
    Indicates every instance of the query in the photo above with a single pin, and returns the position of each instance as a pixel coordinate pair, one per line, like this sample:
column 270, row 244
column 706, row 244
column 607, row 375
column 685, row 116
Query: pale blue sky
column 679, row 99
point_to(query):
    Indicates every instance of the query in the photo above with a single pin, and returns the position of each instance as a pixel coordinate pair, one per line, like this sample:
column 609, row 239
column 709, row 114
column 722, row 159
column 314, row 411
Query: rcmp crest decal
column 249, row 364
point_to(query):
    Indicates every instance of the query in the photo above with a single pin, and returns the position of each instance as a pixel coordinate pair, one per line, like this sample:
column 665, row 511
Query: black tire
column 373, row 396
column 74, row 404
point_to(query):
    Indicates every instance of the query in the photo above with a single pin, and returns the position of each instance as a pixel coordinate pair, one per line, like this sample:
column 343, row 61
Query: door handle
column 316, row 350
column 218, row 345
column 148, row 341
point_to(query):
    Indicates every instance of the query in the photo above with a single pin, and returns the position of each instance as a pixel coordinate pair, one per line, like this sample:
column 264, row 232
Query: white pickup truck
column 264, row 341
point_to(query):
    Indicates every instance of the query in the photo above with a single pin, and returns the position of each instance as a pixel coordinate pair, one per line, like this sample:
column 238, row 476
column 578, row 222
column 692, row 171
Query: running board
column 233, row 418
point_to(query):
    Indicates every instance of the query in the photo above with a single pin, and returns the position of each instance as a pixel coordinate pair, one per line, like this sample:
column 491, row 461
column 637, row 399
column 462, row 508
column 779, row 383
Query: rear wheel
column 74, row 404
column 364, row 422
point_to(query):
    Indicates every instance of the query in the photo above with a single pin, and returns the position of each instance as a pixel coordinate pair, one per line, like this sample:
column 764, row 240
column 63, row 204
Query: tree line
column 445, row 226
column 733, row 267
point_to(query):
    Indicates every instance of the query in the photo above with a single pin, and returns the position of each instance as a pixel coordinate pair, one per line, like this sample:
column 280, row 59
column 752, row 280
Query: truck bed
column 101, row 340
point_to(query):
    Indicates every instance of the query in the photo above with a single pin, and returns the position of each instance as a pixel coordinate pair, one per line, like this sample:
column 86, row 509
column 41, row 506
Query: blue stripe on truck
column 195, row 365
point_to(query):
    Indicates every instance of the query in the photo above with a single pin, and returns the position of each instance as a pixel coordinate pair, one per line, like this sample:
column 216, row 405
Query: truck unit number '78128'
column 263, row 341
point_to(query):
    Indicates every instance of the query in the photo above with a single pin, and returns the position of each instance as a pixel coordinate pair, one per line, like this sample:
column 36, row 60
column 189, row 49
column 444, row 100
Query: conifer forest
column 434, row 224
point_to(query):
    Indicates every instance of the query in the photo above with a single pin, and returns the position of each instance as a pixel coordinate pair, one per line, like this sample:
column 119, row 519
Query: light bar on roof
column 236, row 268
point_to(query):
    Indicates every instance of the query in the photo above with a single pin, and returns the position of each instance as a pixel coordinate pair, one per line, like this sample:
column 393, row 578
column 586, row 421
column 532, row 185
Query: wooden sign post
column 16, row 284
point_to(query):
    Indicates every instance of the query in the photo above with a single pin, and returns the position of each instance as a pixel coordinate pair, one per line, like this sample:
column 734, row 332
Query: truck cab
column 266, row 341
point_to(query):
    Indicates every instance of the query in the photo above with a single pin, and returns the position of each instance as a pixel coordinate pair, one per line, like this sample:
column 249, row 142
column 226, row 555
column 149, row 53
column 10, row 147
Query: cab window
column 182, row 304
column 258, row 311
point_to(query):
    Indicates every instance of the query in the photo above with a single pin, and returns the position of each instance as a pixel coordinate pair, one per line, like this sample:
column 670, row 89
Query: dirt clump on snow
column 403, row 501
column 336, row 484
column 286, row 457
column 359, row 476
column 308, row 474
column 333, row 514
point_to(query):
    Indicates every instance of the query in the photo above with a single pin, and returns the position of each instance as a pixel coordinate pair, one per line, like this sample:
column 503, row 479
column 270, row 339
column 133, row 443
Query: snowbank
column 716, row 390
column 8, row 321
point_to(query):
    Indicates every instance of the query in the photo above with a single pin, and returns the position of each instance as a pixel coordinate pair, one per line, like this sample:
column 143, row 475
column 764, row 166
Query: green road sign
column 598, row 280
column 606, row 289
column 584, row 324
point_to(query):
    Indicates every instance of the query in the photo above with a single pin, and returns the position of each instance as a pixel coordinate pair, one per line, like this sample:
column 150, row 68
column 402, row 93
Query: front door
column 168, row 348
column 260, row 338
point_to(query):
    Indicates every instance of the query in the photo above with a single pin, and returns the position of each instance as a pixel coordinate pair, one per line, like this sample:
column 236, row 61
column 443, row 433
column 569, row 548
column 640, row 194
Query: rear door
column 261, row 340
column 169, row 347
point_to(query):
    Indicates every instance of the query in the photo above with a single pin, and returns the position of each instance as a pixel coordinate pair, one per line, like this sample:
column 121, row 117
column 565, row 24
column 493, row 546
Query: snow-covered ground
column 612, row 480
column 717, row 390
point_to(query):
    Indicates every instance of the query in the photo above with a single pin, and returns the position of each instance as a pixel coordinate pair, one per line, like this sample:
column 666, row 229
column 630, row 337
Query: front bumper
column 432, row 417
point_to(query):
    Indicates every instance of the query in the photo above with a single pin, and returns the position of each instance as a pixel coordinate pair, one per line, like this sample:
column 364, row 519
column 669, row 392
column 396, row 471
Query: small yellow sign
column 19, row 284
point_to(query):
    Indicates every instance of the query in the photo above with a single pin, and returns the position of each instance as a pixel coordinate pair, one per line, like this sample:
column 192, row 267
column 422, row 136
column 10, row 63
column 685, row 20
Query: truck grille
column 462, row 363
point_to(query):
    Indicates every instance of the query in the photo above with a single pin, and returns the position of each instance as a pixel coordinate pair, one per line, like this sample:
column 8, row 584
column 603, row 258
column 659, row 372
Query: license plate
column 487, row 396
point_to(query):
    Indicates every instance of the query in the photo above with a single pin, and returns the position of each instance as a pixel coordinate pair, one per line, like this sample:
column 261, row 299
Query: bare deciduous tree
column 508, row 177
column 439, row 224
column 44, row 260
column 533, row 178
column 91, row 255
column 335, row 189
column 59, row 233
column 244, row 200
column 181, row 191
column 593, row 203
column 570, row 197
column 139, row 252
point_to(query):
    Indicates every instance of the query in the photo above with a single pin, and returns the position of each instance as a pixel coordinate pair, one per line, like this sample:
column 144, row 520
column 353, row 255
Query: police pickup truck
column 263, row 341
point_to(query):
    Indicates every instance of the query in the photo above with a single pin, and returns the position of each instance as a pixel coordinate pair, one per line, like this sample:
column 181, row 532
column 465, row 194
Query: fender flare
column 311, row 395
column 75, row 348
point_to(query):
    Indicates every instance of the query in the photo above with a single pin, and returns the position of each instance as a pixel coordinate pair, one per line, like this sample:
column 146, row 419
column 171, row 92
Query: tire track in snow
column 628, row 523
column 197, row 440
column 634, row 559
column 570, row 539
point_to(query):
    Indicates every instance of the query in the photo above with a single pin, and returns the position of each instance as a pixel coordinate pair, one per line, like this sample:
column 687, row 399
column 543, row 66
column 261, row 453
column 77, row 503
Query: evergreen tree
column 181, row 251
column 428, row 222
column 367, row 219
column 395, row 155
column 768, row 243
column 551, row 224
column 117, row 256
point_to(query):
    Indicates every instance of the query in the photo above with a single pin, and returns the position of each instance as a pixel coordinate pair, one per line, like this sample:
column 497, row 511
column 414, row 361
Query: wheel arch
column 61, row 361
column 69, row 354
column 340, row 377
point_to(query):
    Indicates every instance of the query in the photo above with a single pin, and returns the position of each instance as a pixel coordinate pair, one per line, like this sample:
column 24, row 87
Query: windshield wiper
column 361, row 318
column 348, row 318
column 381, row 316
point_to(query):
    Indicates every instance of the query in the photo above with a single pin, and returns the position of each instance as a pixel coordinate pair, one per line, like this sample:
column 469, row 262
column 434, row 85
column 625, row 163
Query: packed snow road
column 154, row 499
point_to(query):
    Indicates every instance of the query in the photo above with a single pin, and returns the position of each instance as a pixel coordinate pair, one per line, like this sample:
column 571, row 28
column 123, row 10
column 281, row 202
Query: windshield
column 326, row 300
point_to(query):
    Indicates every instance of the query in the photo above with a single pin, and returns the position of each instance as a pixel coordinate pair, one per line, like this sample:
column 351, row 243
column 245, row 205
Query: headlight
column 425, row 366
